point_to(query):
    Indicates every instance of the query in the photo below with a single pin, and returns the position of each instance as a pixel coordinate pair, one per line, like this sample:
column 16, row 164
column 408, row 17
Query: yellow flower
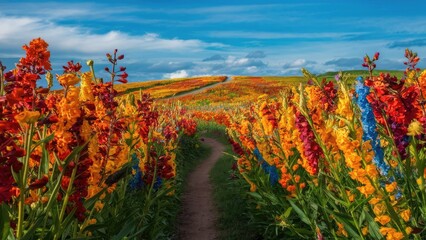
column 393, row 163
column 415, row 128
column 390, row 187
column 395, row 236
column 391, row 233
column 27, row 117
column 384, row 219
column 252, row 187
column 374, row 200
column 341, row 231
column 364, row 230
column 49, row 79
column 371, row 170
column 86, row 88
column 378, row 209
column 67, row 79
column 350, row 196
column 385, row 230
column 91, row 221
column 406, row 214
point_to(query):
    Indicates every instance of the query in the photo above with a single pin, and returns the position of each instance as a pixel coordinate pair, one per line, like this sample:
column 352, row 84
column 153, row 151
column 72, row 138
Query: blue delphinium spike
column 271, row 170
column 369, row 126
column 136, row 182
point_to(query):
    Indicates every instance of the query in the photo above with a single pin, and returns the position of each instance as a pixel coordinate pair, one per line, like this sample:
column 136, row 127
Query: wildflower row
column 65, row 154
column 339, row 159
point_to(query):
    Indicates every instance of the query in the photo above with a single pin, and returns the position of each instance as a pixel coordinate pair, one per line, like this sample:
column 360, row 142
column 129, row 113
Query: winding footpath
column 199, row 214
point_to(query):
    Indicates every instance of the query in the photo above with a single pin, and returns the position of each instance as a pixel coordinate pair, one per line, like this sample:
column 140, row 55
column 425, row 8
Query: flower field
column 71, row 161
column 331, row 158
column 169, row 88
column 339, row 159
column 240, row 90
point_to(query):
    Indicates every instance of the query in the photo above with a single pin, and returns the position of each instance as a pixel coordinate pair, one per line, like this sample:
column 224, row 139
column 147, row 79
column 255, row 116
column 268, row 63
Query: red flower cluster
column 236, row 147
column 189, row 126
column 395, row 105
column 328, row 98
column 21, row 95
column 9, row 154
column 163, row 164
column 146, row 115
column 311, row 150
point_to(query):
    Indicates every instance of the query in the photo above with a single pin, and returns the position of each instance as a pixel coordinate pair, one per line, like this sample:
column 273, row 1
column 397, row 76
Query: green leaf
column 127, row 229
column 4, row 221
column 287, row 212
column 29, row 234
column 373, row 227
column 54, row 193
column 346, row 221
column 73, row 154
column 16, row 177
column 44, row 140
column 90, row 203
column 255, row 195
column 299, row 212
column 44, row 162
column 361, row 218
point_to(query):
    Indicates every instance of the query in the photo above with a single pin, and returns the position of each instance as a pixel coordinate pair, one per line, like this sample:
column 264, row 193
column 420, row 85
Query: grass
column 231, row 201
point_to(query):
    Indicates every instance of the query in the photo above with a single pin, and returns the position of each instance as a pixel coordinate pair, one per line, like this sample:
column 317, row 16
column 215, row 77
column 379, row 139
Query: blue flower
column 271, row 170
column 369, row 126
column 136, row 182
column 158, row 183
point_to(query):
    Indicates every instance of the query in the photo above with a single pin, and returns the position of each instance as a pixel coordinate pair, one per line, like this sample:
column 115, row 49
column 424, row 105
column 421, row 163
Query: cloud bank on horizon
column 171, row 39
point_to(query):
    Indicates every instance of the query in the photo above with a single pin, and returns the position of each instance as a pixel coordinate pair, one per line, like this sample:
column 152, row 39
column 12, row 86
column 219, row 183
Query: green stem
column 23, row 180
column 68, row 193
column 66, row 198
column 148, row 199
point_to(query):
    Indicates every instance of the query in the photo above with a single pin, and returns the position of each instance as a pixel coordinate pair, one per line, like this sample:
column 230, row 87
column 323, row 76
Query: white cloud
column 251, row 69
column 233, row 61
column 279, row 35
column 16, row 31
column 298, row 63
column 177, row 74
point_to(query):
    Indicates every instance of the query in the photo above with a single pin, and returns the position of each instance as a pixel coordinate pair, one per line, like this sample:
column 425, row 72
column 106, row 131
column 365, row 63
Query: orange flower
column 406, row 214
column 67, row 79
column 37, row 53
column 391, row 187
column 383, row 219
column 364, row 230
column 28, row 117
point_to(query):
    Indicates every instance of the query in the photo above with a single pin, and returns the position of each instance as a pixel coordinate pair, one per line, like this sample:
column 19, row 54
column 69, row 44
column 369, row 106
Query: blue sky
column 163, row 39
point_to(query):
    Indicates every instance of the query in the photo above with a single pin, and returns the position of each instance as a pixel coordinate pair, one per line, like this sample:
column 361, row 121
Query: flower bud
column 120, row 57
column 376, row 56
column 49, row 79
column 89, row 63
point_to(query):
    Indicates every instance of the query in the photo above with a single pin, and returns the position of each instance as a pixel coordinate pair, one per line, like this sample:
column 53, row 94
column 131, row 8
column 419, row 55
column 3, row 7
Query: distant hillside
column 356, row 73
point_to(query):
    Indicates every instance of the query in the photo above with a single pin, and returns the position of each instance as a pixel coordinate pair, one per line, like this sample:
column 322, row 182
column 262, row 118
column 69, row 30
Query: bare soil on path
column 198, row 217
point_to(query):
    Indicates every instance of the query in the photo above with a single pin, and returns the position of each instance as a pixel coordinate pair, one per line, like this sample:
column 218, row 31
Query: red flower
column 39, row 183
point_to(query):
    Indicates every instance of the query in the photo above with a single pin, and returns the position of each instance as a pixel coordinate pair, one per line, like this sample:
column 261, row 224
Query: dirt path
column 198, row 218
column 198, row 90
